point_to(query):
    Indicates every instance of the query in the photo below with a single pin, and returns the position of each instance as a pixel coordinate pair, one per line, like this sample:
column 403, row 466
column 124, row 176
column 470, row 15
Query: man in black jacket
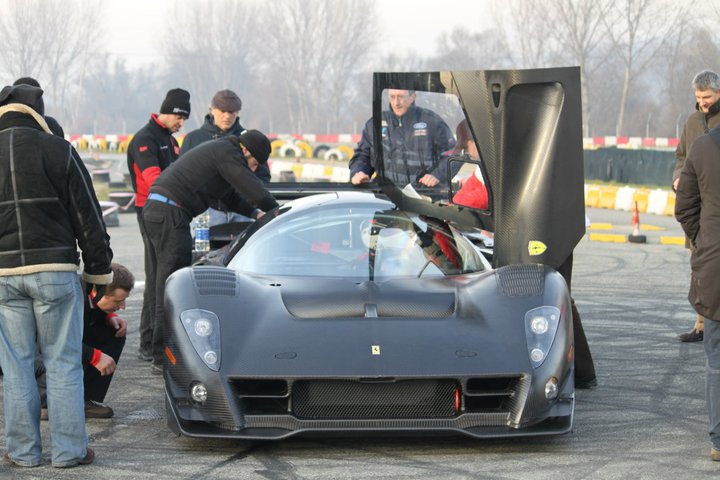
column 222, row 120
column 104, row 339
column 217, row 170
column 152, row 149
column 414, row 140
column 47, row 209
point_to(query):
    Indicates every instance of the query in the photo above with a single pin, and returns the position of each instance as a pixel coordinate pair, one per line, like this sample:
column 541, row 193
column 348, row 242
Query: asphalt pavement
column 646, row 420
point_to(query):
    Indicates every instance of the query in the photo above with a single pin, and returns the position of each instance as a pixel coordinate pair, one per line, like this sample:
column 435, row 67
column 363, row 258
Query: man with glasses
column 414, row 139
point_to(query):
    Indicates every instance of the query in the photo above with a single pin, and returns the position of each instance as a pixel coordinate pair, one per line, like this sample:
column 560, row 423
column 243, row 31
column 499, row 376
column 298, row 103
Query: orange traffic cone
column 636, row 236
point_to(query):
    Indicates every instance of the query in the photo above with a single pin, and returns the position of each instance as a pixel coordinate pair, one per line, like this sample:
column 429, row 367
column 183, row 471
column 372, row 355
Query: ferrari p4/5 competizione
column 371, row 310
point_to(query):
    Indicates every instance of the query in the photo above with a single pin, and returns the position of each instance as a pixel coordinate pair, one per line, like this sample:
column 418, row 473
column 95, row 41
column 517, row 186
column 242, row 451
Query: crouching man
column 103, row 342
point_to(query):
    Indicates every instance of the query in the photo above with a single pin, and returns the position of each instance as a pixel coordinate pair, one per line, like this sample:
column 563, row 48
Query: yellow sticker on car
column 376, row 349
column 536, row 247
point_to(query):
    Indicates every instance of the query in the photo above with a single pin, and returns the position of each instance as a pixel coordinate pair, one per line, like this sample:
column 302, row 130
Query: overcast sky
column 406, row 24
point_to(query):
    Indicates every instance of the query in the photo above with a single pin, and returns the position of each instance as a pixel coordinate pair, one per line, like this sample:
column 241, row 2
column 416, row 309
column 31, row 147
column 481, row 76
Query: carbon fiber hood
column 274, row 326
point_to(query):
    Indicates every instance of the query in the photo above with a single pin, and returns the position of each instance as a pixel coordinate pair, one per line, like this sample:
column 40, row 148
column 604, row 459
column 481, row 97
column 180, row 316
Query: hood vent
column 214, row 281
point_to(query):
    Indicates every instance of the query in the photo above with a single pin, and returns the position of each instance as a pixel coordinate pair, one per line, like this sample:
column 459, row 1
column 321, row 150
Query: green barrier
column 624, row 166
column 102, row 190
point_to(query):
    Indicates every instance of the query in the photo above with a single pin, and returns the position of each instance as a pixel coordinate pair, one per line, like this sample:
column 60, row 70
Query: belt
column 163, row 199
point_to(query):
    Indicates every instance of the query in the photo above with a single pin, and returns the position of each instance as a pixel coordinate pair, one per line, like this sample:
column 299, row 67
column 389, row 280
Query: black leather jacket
column 47, row 203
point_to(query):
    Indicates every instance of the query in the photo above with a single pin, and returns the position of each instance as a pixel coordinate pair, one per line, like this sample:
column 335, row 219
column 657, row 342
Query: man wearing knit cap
column 152, row 149
column 222, row 120
column 221, row 169
column 48, row 209
column 53, row 124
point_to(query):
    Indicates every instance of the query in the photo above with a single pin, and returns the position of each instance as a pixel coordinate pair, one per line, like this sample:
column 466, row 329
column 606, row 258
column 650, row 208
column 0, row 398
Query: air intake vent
column 521, row 280
column 214, row 281
column 340, row 399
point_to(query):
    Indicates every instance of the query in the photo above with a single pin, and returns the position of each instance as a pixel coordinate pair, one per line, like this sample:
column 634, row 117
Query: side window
column 417, row 137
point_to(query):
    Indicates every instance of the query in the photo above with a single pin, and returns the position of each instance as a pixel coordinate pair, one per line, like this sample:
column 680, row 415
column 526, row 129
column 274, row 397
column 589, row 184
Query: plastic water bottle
column 202, row 232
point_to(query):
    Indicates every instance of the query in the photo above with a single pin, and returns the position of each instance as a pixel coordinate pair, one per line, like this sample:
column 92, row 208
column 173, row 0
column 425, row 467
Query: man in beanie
column 152, row 149
column 221, row 169
column 48, row 209
column 53, row 124
column 222, row 120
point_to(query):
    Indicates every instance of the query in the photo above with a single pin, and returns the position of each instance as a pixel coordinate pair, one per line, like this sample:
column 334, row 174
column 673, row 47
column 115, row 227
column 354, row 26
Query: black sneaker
column 95, row 409
column 145, row 356
column 584, row 383
column 691, row 336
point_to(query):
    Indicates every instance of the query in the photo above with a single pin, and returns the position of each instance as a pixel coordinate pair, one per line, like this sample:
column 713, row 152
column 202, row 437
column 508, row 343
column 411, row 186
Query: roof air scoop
column 496, row 94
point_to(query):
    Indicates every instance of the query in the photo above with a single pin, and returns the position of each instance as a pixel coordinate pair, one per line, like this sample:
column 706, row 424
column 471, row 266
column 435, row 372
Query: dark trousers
column 148, row 308
column 584, row 365
column 103, row 338
column 168, row 229
column 98, row 336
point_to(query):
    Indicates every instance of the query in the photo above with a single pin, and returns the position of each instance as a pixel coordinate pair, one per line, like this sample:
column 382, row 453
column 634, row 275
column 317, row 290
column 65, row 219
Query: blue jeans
column 711, row 342
column 46, row 305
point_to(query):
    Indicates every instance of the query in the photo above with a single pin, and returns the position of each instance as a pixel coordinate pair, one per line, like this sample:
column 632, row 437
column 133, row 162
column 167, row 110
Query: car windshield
column 359, row 242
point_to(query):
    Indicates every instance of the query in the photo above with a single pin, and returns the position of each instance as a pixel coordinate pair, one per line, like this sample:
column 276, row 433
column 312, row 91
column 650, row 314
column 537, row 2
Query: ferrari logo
column 376, row 349
column 536, row 247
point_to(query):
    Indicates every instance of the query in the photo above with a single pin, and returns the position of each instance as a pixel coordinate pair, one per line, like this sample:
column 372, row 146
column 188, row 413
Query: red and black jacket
column 151, row 151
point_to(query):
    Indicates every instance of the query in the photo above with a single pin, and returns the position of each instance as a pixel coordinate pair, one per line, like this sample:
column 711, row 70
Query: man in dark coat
column 47, row 209
column 222, row 120
column 216, row 170
column 706, row 116
column 697, row 208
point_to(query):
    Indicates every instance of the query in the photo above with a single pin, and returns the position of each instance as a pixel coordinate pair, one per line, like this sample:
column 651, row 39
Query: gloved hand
column 99, row 291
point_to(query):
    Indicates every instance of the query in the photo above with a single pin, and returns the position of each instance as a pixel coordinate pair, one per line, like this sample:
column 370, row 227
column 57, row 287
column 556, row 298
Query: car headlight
column 541, row 325
column 198, row 392
column 203, row 329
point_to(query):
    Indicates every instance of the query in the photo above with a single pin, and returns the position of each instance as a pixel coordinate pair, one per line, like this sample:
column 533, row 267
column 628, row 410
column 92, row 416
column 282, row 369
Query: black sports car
column 365, row 310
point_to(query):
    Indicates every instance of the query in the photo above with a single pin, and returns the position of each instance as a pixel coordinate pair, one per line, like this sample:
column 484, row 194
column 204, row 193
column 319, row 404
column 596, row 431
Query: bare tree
column 638, row 30
column 316, row 52
column 461, row 49
column 104, row 105
column 209, row 46
column 50, row 40
column 525, row 25
column 578, row 31
column 22, row 46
